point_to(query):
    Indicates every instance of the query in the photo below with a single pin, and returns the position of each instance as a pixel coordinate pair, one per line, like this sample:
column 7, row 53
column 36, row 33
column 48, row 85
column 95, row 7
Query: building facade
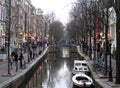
column 2, row 22
column 40, row 24
column 21, row 25
column 112, row 28
column 25, row 21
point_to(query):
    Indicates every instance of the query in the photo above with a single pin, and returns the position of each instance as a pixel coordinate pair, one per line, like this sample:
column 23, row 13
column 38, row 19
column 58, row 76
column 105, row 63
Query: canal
column 55, row 71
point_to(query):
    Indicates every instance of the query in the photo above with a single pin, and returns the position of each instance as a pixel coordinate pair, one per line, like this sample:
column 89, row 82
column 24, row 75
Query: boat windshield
column 78, row 64
column 84, row 64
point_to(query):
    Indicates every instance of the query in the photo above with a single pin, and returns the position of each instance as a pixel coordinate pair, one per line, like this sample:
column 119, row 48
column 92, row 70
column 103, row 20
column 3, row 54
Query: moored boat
column 82, row 80
column 80, row 66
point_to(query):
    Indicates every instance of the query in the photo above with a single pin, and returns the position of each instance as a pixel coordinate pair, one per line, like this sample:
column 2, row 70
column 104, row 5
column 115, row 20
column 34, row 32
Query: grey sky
column 60, row 7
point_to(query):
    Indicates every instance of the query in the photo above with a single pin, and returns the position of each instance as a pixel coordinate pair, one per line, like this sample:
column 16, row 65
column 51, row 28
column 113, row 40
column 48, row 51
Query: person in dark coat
column 30, row 53
column 21, row 57
column 15, row 59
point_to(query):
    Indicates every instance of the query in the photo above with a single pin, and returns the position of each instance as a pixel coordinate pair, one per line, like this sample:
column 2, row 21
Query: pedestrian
column 103, row 55
column 15, row 55
column 30, row 54
column 40, row 51
column 21, row 57
column 34, row 48
column 11, row 59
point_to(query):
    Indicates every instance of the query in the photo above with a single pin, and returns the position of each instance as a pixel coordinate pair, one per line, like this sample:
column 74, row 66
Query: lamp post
column 9, row 73
column 8, row 23
column 8, row 32
column 8, row 26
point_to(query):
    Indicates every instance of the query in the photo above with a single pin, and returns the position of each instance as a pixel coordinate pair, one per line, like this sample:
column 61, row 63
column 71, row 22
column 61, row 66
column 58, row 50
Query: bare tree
column 116, row 5
column 57, row 30
column 50, row 17
column 89, row 18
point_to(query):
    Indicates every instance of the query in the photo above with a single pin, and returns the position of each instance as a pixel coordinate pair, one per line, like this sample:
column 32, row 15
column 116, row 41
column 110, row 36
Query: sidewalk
column 99, row 77
column 5, row 78
column 4, row 64
column 4, row 70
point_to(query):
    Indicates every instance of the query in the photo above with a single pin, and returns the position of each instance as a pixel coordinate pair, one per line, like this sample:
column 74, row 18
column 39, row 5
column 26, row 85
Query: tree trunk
column 106, row 43
column 118, row 49
column 90, row 48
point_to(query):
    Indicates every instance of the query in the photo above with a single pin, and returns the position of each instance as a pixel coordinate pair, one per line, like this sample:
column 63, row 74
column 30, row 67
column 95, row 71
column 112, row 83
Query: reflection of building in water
column 65, row 52
column 63, row 75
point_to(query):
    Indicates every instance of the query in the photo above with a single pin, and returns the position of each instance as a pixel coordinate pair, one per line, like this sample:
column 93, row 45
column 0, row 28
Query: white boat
column 82, row 80
column 80, row 66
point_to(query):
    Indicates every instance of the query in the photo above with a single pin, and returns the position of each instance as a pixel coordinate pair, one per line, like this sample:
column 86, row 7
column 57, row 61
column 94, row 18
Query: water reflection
column 64, row 74
column 65, row 52
column 56, row 72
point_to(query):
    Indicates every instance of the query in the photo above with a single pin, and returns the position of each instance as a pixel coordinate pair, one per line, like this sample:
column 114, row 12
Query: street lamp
column 8, row 25
column 9, row 73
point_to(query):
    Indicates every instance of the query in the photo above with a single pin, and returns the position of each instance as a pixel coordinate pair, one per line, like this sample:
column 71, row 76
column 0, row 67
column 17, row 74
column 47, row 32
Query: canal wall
column 23, row 77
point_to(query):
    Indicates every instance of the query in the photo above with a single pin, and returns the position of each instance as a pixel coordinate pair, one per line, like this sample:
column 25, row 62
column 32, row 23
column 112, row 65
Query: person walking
column 11, row 61
column 21, row 57
column 34, row 50
column 30, row 53
column 15, row 55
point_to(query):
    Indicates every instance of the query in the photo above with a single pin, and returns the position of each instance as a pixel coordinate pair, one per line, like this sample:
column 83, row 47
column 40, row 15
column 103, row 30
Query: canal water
column 55, row 71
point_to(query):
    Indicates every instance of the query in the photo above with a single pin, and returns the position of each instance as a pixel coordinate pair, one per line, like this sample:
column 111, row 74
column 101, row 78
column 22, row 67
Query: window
column 85, row 69
column 4, row 13
column 0, row 13
column 84, row 64
column 78, row 64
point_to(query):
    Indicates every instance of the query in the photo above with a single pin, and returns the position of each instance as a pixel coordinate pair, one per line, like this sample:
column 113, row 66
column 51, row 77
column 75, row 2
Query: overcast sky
column 60, row 7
